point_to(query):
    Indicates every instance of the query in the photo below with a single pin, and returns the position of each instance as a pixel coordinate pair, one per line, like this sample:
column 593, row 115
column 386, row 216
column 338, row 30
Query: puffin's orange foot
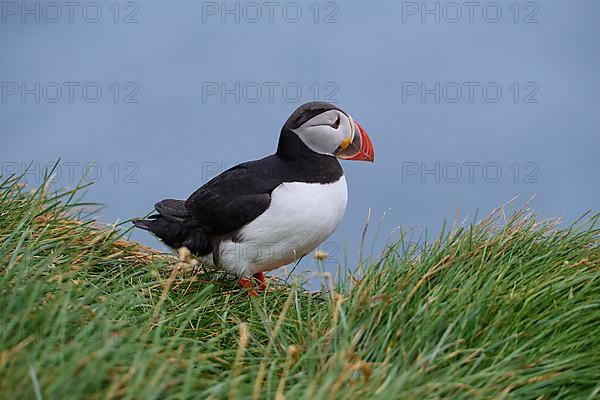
column 245, row 282
column 260, row 277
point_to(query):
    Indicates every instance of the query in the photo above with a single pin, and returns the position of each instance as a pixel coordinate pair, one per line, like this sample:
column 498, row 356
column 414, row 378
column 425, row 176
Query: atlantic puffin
column 264, row 214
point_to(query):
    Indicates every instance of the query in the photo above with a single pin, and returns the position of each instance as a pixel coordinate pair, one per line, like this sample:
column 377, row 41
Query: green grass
column 496, row 309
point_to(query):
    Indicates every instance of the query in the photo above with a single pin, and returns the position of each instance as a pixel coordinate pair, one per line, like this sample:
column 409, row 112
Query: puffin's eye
column 336, row 124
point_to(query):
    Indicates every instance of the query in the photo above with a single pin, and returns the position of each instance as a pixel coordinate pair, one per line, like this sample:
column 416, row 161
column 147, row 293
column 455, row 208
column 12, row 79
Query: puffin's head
column 325, row 129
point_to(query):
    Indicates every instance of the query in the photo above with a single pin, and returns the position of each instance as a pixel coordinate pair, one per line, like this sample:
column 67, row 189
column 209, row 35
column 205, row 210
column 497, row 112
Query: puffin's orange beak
column 359, row 146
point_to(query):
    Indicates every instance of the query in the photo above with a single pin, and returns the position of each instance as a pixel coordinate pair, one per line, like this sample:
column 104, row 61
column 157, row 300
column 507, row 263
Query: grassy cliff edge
column 502, row 308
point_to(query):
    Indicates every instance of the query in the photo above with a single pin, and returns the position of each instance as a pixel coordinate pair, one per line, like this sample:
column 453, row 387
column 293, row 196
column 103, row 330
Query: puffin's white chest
column 299, row 218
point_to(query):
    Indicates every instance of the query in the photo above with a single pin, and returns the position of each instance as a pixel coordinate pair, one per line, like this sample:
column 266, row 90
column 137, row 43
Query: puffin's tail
column 142, row 224
column 174, row 226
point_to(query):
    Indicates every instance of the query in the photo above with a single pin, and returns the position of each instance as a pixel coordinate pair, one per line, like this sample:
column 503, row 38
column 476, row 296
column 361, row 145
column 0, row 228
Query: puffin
column 261, row 215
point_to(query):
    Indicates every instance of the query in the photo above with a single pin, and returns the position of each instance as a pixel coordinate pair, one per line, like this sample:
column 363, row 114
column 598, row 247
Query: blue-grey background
column 164, row 133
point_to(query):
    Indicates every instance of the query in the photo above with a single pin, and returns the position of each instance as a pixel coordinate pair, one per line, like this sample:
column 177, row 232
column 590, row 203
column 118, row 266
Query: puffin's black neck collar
column 292, row 150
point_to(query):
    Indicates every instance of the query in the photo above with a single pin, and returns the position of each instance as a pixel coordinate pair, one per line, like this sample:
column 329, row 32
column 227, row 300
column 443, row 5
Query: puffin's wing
column 234, row 198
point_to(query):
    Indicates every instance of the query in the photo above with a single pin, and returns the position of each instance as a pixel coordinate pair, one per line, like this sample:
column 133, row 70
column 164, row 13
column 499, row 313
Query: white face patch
column 326, row 132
